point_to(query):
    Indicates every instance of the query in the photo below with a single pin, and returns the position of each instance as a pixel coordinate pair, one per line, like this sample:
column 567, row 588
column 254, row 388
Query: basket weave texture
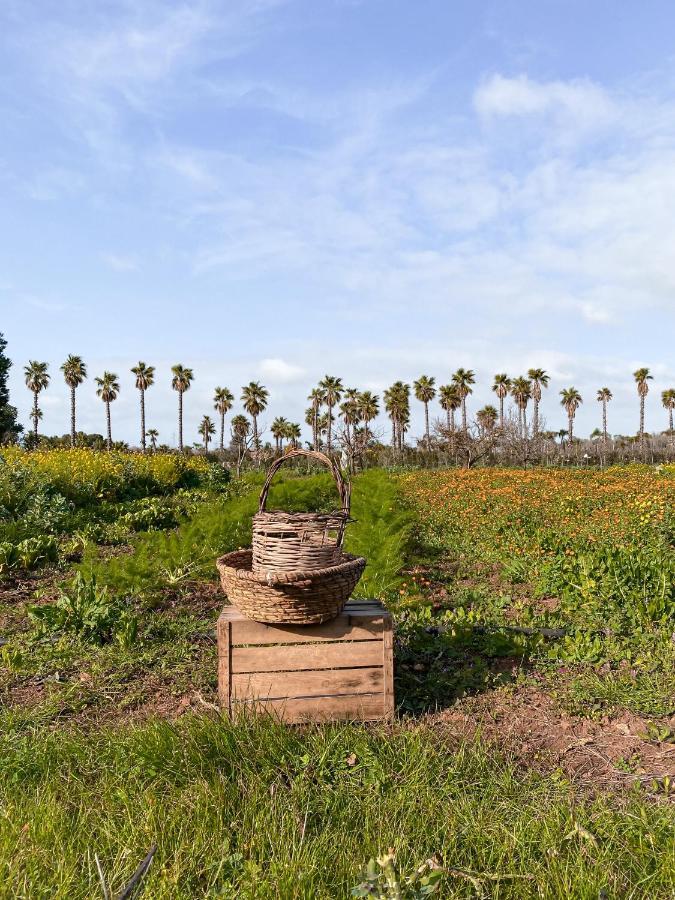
column 289, row 598
column 306, row 541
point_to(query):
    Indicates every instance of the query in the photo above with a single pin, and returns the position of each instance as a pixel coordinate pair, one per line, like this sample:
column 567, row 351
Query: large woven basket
column 306, row 541
column 289, row 598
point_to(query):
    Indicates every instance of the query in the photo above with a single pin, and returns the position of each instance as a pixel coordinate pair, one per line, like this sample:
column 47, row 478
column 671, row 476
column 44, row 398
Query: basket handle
column 344, row 488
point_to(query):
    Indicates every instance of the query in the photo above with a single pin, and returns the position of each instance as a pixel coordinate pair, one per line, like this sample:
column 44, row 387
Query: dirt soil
column 529, row 724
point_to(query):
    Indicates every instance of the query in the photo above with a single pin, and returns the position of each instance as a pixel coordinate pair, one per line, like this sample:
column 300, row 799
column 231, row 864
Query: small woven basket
column 306, row 541
column 289, row 598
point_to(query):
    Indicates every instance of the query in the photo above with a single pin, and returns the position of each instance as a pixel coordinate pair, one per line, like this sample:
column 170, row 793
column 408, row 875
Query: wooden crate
column 339, row 670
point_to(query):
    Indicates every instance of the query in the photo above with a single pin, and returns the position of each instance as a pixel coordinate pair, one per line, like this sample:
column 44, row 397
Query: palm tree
column 391, row 405
column 153, row 434
column 641, row 377
column 668, row 400
column 294, row 433
column 332, row 389
column 487, row 418
column 501, row 386
column 254, row 397
column 350, row 410
column 571, row 401
column 279, row 429
column 464, row 378
column 450, row 401
column 521, row 391
column 108, row 388
column 145, row 377
column 207, row 429
column 397, row 405
column 324, row 423
column 74, row 372
column 368, row 408
column 425, row 393
column 37, row 379
column 181, row 381
column 222, row 403
column 604, row 396
column 538, row 379
column 241, row 428
column 317, row 398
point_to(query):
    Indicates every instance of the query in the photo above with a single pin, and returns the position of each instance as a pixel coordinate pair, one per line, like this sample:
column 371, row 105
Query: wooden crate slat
column 295, row 657
column 341, row 670
column 359, row 708
column 388, row 667
column 248, row 632
column 224, row 636
column 321, row 683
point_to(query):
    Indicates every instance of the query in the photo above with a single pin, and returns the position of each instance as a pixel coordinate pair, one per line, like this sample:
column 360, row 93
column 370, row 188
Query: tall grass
column 257, row 810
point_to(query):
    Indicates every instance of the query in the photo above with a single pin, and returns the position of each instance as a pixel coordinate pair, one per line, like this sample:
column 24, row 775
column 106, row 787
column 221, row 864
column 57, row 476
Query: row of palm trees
column 357, row 409
column 254, row 397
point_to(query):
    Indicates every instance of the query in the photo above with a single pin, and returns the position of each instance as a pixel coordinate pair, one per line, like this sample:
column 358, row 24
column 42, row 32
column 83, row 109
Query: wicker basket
column 307, row 541
column 289, row 598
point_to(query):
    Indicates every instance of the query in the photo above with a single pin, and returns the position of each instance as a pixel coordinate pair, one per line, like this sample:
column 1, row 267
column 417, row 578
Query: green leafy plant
column 87, row 611
column 383, row 880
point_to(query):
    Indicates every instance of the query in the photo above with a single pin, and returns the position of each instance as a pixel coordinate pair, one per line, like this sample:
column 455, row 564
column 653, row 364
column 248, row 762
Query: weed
column 88, row 612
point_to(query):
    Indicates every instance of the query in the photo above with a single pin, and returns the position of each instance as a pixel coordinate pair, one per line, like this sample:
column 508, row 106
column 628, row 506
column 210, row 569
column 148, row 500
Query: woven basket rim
column 240, row 563
column 276, row 515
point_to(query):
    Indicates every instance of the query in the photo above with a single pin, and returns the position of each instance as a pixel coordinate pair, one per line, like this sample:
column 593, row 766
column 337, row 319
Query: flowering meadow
column 587, row 553
column 83, row 475
column 53, row 503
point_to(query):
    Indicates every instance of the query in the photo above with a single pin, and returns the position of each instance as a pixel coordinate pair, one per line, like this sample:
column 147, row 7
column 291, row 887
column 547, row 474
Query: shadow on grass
column 444, row 652
column 436, row 664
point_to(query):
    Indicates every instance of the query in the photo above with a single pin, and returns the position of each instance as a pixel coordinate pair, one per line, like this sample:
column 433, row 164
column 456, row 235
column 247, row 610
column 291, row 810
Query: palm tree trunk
column 393, row 432
column 256, row 440
column 464, row 426
column 222, row 431
column 348, row 432
column 330, row 427
column 452, row 419
column 501, row 412
column 535, row 418
column 35, row 414
column 670, row 420
column 642, row 419
column 524, row 423
column 447, row 418
column 604, row 421
column 180, row 420
column 570, row 427
column 426, row 425
column 107, row 420
column 143, row 420
column 72, row 416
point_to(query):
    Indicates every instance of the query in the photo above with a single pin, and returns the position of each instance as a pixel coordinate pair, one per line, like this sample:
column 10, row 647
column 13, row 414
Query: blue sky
column 273, row 190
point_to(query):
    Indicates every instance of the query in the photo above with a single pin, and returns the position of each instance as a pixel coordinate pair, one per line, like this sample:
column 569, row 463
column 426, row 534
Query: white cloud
column 280, row 371
column 581, row 100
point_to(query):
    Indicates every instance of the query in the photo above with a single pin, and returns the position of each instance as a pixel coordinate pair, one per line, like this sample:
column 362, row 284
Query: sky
column 275, row 190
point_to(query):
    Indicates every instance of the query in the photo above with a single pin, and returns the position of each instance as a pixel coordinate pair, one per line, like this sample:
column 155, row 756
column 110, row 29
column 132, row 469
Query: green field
column 110, row 743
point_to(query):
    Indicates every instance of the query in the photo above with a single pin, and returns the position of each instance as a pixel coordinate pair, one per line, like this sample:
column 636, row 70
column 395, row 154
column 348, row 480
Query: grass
column 256, row 810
